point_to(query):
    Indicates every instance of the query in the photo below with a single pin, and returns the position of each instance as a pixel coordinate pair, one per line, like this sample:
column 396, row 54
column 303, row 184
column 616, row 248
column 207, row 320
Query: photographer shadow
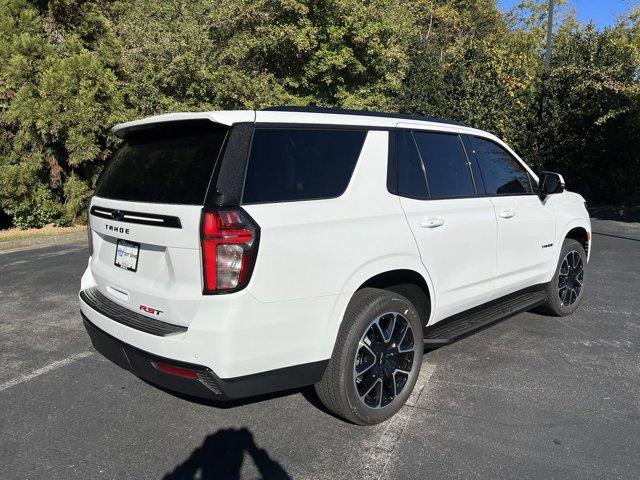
column 221, row 456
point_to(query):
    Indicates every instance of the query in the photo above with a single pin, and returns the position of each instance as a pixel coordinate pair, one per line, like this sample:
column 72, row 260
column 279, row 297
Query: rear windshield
column 169, row 163
column 300, row 164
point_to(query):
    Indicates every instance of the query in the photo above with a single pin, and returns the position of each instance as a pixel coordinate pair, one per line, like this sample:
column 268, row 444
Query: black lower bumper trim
column 208, row 384
column 101, row 304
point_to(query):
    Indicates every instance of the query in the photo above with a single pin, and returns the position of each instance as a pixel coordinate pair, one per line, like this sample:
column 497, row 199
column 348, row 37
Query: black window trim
column 304, row 126
column 472, row 161
column 392, row 162
column 227, row 181
column 520, row 163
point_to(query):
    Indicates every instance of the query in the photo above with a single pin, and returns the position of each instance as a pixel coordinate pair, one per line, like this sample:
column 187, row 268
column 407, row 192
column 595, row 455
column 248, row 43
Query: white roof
column 229, row 117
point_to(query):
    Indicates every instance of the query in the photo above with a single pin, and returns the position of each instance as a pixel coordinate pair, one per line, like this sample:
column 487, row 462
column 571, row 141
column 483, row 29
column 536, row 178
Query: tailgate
column 166, row 282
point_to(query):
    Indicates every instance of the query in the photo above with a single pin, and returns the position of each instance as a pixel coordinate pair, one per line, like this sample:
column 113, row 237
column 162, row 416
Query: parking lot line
column 40, row 371
column 380, row 455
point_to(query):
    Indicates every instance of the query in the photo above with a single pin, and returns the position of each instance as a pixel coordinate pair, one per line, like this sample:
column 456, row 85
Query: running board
column 462, row 324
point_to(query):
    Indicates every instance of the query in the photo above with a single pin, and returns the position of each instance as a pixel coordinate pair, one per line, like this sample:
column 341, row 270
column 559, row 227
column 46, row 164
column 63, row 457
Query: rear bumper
column 207, row 384
column 234, row 335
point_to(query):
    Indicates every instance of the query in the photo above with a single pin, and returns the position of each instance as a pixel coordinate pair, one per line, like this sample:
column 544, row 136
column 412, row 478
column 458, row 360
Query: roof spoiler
column 222, row 117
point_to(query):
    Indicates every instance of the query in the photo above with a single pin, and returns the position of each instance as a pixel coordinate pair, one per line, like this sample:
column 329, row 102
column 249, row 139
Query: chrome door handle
column 507, row 214
column 432, row 223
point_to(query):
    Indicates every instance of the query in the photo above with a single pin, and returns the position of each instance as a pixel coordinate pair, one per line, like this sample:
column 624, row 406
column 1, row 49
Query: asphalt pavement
column 530, row 397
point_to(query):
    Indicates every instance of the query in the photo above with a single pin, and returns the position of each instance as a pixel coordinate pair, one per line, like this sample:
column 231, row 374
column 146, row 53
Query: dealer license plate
column 127, row 255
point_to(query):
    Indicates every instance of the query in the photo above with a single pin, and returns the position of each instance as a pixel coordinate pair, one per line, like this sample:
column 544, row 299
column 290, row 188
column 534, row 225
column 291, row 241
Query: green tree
column 60, row 93
column 71, row 69
column 251, row 54
column 468, row 65
column 593, row 129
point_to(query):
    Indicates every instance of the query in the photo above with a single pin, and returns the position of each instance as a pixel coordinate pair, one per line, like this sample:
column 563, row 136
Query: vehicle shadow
column 221, row 455
column 308, row 393
column 226, row 404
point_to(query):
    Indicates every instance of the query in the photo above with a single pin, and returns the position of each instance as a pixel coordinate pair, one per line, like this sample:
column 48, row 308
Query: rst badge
column 151, row 310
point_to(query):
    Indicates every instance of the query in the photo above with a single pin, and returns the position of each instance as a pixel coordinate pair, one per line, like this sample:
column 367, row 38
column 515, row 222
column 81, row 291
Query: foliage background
column 70, row 69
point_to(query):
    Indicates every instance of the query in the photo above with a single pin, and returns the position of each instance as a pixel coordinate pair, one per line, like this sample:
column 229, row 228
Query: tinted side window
column 412, row 181
column 300, row 164
column 446, row 162
column 503, row 174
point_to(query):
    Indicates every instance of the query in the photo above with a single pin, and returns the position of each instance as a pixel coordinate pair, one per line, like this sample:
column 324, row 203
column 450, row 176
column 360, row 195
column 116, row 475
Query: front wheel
column 566, row 288
column 376, row 358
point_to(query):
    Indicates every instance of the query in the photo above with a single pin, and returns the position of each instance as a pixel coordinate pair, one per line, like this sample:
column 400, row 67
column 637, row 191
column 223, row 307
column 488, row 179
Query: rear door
column 526, row 224
column 455, row 230
column 145, row 218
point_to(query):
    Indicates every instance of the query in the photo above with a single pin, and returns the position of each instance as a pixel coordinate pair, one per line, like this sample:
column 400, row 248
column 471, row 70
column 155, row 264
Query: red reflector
column 178, row 371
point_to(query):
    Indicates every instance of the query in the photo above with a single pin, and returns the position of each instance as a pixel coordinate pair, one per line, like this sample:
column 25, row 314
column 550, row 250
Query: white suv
column 235, row 253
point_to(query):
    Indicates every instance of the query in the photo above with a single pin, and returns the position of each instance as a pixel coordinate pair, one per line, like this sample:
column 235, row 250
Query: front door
column 526, row 224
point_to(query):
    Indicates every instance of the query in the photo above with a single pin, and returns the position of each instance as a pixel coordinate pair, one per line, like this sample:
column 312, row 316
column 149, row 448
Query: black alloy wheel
column 376, row 358
column 565, row 290
column 570, row 278
column 384, row 360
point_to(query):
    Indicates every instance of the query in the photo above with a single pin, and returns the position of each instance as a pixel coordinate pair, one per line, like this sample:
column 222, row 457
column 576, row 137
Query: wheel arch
column 408, row 283
column 390, row 272
column 578, row 229
column 378, row 272
column 581, row 235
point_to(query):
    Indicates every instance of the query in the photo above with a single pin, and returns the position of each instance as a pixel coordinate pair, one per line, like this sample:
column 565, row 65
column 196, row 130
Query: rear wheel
column 376, row 358
column 565, row 290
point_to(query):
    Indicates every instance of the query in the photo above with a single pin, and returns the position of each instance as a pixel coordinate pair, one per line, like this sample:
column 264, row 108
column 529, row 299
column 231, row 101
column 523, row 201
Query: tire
column 566, row 288
column 372, row 350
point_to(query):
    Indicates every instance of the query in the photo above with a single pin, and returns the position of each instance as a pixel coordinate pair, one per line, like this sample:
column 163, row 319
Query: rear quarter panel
column 328, row 248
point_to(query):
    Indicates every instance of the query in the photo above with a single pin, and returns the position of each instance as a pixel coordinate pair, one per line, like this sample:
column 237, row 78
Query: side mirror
column 550, row 183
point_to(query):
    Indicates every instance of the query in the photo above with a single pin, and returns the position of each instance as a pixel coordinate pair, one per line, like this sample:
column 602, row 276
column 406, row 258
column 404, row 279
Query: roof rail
column 367, row 113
